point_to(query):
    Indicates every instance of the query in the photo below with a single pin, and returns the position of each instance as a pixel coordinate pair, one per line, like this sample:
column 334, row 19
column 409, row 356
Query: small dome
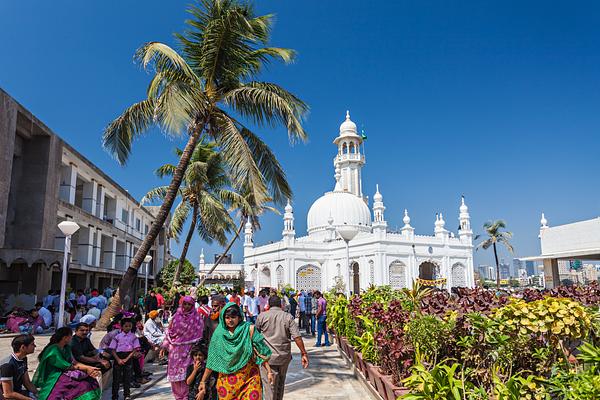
column 348, row 125
column 288, row 207
column 406, row 218
column 377, row 197
column 463, row 207
column 345, row 209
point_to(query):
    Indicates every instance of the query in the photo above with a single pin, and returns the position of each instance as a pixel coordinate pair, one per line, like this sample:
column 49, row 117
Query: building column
column 551, row 275
column 68, row 183
column 86, row 245
column 110, row 254
column 89, row 196
column 43, row 282
column 100, row 202
column 98, row 247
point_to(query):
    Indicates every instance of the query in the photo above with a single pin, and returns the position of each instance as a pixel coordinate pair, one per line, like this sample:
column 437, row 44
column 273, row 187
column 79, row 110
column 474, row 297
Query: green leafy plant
column 442, row 382
column 429, row 336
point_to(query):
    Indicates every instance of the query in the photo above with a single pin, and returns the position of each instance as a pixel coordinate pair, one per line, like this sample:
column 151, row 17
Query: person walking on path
column 321, row 319
column 185, row 329
column 251, row 307
column 58, row 377
column 14, row 376
column 236, row 350
column 310, row 305
column 302, row 308
column 279, row 328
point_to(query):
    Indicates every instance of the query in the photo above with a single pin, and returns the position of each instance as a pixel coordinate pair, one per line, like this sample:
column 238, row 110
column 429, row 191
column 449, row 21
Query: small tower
column 407, row 231
column 248, row 234
column 288, row 223
column 202, row 263
column 379, row 224
column 349, row 158
column 544, row 224
column 465, row 233
column 439, row 226
column 330, row 229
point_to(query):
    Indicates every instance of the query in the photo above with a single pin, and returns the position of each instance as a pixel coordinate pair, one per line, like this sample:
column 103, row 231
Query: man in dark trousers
column 279, row 329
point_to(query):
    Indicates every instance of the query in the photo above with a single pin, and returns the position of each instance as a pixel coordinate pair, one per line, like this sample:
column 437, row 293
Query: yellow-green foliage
column 560, row 317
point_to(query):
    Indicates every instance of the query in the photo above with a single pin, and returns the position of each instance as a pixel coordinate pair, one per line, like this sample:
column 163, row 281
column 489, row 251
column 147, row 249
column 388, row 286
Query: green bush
column 166, row 274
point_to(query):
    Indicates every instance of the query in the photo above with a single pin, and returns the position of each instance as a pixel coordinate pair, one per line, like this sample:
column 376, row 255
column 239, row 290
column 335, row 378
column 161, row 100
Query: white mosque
column 346, row 243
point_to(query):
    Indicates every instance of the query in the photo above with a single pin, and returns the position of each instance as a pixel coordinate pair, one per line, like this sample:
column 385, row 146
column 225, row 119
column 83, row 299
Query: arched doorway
column 397, row 275
column 459, row 278
column 308, row 277
column 355, row 278
column 264, row 277
column 427, row 270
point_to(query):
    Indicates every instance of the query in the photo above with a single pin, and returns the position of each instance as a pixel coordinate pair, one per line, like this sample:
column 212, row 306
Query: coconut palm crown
column 495, row 236
column 225, row 50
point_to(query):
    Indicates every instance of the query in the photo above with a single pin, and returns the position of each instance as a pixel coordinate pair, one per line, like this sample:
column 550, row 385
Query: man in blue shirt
column 13, row 370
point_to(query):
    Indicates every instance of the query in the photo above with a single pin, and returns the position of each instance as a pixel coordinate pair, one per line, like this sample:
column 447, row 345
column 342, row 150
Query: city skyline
column 442, row 108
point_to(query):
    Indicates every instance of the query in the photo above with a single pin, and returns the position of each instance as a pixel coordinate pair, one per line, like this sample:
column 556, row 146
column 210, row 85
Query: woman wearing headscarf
column 235, row 352
column 59, row 377
column 184, row 330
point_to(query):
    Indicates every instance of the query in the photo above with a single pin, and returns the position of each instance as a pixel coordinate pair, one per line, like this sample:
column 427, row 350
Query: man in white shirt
column 251, row 307
column 45, row 314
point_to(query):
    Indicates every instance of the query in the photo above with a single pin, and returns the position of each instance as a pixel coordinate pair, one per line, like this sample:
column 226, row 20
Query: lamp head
column 68, row 227
column 347, row 232
column 148, row 258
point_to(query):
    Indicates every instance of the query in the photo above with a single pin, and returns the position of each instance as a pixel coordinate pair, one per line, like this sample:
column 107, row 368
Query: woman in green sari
column 235, row 352
column 58, row 377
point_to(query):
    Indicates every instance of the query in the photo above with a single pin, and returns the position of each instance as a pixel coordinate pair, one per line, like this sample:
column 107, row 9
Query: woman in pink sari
column 184, row 330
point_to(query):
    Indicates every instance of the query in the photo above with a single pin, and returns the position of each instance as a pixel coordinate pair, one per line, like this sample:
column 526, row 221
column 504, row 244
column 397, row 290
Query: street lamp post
column 68, row 228
column 347, row 233
column 147, row 260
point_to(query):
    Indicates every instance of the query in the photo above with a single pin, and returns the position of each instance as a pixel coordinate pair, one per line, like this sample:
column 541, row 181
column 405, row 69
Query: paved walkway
column 327, row 378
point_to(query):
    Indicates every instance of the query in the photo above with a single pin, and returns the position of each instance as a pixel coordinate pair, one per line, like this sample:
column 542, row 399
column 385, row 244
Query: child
column 195, row 371
column 124, row 347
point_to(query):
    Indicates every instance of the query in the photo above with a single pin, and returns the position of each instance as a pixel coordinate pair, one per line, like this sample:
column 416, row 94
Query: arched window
column 344, row 148
column 397, row 275
column 459, row 278
column 352, row 148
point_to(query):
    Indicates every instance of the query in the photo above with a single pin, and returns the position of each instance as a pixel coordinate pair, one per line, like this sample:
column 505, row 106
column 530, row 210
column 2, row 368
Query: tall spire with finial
column 349, row 158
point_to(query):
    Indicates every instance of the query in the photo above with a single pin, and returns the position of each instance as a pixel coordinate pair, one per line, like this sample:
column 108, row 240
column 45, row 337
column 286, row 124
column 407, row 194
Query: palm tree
column 204, row 194
column 247, row 208
column 226, row 49
column 495, row 236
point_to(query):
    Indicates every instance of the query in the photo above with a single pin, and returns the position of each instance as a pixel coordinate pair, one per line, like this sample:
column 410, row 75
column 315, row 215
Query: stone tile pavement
column 327, row 378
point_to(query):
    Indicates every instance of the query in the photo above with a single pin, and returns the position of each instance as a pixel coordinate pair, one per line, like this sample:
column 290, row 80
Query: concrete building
column 227, row 274
column 44, row 181
column 562, row 243
column 340, row 222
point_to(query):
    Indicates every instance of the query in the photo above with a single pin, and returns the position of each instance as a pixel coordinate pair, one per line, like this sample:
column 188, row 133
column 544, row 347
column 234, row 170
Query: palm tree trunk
column 122, row 298
column 497, row 267
column 186, row 245
column 237, row 234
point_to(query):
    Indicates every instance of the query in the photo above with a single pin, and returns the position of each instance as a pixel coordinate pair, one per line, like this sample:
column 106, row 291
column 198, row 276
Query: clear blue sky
column 497, row 100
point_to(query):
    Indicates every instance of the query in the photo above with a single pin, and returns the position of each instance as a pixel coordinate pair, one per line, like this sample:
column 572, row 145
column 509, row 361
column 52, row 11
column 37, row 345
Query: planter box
column 391, row 390
column 372, row 370
column 361, row 364
column 379, row 384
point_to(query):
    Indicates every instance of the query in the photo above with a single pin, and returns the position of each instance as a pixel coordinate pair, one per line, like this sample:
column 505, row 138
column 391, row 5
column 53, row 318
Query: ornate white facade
column 376, row 256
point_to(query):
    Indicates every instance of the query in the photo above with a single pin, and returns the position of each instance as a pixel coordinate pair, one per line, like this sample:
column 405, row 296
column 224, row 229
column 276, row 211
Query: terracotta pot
column 391, row 388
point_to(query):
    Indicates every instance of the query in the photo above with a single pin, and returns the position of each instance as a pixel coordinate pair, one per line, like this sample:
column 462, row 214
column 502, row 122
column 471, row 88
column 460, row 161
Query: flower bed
column 421, row 343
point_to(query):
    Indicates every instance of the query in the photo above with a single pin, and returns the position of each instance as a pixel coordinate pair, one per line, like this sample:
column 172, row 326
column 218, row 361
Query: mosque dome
column 345, row 208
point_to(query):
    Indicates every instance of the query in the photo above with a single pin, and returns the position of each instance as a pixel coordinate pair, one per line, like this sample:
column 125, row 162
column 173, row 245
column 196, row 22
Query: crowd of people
column 43, row 317
column 226, row 345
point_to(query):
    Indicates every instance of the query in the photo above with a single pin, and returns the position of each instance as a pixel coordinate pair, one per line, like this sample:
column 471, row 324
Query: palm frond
column 180, row 215
column 269, row 104
column 120, row 134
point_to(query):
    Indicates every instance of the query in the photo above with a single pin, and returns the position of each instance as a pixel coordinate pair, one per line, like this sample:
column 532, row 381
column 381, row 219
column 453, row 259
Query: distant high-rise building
column 484, row 271
column 504, row 270
column 530, row 268
column 516, row 266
